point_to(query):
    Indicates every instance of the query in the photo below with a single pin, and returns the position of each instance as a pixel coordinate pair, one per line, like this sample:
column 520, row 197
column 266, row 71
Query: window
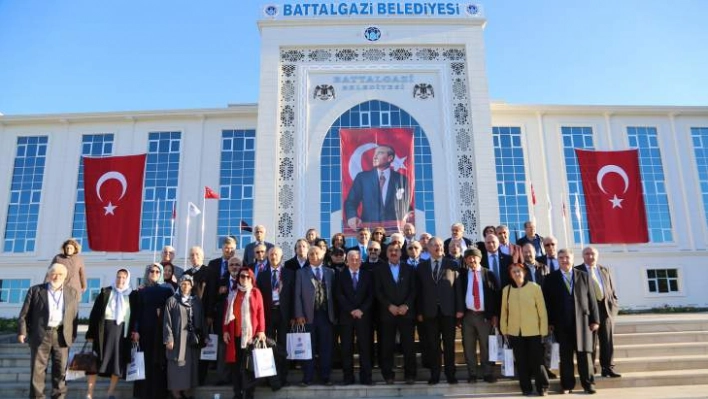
column 655, row 198
column 13, row 290
column 511, row 178
column 662, row 281
column 93, row 288
column 25, row 194
column 700, row 149
column 576, row 137
column 92, row 145
column 160, row 189
column 236, row 179
column 371, row 114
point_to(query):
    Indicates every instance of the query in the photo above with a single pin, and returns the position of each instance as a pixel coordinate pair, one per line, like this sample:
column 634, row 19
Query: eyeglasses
column 374, row 249
column 154, row 271
column 260, row 252
column 550, row 244
column 517, row 271
column 244, row 276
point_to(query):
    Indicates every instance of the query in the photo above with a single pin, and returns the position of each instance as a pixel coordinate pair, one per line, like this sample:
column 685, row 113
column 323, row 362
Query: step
column 661, row 323
column 659, row 363
column 652, row 350
column 661, row 337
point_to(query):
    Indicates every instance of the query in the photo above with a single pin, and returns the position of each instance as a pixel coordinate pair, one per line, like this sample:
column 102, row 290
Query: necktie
column 318, row 274
column 475, row 292
column 495, row 267
column 224, row 267
column 598, row 289
column 382, row 180
column 566, row 280
column 233, row 284
column 260, row 266
column 355, row 280
column 436, row 270
column 532, row 272
column 274, row 280
column 363, row 251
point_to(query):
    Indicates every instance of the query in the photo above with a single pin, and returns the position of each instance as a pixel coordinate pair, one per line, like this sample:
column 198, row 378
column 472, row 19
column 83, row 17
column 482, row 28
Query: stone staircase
column 650, row 350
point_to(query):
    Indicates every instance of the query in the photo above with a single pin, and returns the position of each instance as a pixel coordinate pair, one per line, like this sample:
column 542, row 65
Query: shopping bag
column 136, row 367
column 299, row 345
column 72, row 375
column 508, row 364
column 209, row 351
column 85, row 360
column 263, row 361
column 555, row 355
column 495, row 343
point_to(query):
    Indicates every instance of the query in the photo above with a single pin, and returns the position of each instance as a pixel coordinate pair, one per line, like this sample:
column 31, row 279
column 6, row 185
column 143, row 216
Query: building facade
column 278, row 163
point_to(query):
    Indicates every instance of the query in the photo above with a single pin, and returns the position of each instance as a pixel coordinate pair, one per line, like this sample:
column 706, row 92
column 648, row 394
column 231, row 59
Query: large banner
column 613, row 194
column 378, row 178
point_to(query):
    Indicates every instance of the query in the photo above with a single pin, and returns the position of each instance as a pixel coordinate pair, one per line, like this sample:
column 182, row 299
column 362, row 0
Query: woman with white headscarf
column 108, row 330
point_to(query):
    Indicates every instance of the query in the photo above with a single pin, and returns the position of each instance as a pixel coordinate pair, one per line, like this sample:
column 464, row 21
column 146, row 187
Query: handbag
column 299, row 344
column 85, row 361
column 263, row 360
column 136, row 368
column 195, row 338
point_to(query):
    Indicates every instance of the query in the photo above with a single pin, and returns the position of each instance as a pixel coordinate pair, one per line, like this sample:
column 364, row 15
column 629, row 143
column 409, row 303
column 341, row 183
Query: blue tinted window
column 159, row 198
column 94, row 145
column 700, row 148
column 576, row 137
column 25, row 194
column 656, row 201
column 364, row 115
column 93, row 288
column 13, row 290
column 238, row 165
column 511, row 178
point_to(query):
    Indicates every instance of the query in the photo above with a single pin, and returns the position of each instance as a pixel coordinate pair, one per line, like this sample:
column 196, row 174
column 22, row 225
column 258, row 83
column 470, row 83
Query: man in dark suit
column 436, row 309
column 496, row 261
column 550, row 259
column 395, row 293
column 608, row 307
column 259, row 233
column 531, row 237
column 277, row 284
column 355, row 288
column 204, row 287
column 476, row 303
column 537, row 271
column 299, row 261
column 314, row 309
column 572, row 317
column 260, row 260
column 219, row 266
column 383, row 193
column 49, row 318
column 374, row 260
column 457, row 231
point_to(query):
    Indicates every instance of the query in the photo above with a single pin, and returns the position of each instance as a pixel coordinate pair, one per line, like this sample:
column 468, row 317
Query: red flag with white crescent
column 377, row 191
column 613, row 196
column 113, row 188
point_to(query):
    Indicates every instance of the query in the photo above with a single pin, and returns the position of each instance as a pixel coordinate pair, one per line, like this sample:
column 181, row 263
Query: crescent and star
column 604, row 171
column 112, row 175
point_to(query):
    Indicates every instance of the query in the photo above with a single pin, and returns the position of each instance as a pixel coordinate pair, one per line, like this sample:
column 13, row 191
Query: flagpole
column 154, row 240
column 565, row 220
column 186, row 238
column 172, row 225
column 580, row 222
column 550, row 213
column 203, row 218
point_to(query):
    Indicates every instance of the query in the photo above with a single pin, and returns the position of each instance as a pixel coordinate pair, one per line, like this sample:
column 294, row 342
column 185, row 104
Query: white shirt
column 387, row 175
column 469, row 299
column 504, row 248
column 552, row 263
column 301, row 262
column 56, row 306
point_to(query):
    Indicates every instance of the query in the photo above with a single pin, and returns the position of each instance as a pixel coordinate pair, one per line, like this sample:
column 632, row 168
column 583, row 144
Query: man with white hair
column 49, row 318
column 203, row 287
column 168, row 258
column 457, row 231
column 259, row 233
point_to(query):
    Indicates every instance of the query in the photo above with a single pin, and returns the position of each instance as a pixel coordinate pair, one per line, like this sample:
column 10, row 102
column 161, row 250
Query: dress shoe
column 610, row 373
column 490, row 379
column 565, row 391
column 543, row 392
column 370, row 383
column 327, row 383
column 452, row 380
column 472, row 379
column 389, row 381
column 348, row 382
column 433, row 381
column 304, row 384
column 551, row 375
column 410, row 381
column 590, row 391
column 529, row 393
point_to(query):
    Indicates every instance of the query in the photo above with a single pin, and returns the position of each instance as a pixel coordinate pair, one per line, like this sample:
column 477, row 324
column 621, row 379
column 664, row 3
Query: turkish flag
column 613, row 196
column 209, row 193
column 367, row 202
column 113, row 188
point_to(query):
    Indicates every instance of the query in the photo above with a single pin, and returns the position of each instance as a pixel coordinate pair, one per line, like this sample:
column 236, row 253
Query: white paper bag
column 493, row 346
column 136, row 369
column 555, row 356
column 508, row 364
column 263, row 362
column 72, row 375
column 209, row 351
column 299, row 345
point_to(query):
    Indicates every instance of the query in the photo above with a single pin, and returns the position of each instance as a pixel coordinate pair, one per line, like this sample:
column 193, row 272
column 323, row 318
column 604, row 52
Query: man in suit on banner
column 383, row 193
column 49, row 319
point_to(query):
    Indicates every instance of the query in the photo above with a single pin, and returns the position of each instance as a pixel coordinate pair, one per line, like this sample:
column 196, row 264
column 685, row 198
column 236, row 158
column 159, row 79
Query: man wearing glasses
column 550, row 259
column 260, row 262
column 259, row 233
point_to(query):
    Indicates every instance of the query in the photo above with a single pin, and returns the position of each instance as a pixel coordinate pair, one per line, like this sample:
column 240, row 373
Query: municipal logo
column 472, row 9
column 372, row 34
column 270, row 10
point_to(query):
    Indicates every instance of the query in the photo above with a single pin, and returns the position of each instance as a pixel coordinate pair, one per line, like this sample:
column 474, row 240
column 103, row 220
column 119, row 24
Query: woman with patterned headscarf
column 108, row 330
column 146, row 329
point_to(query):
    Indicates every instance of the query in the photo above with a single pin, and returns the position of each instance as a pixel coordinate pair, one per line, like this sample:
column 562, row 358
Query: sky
column 59, row 56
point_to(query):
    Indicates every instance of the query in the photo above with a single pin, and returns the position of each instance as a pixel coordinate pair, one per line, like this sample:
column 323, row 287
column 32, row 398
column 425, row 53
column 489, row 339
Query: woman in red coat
column 244, row 323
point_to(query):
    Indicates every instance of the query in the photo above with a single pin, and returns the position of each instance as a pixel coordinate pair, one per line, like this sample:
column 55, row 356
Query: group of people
column 372, row 297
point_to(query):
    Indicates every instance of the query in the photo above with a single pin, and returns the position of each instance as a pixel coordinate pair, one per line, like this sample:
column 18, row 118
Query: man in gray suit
column 314, row 308
column 49, row 319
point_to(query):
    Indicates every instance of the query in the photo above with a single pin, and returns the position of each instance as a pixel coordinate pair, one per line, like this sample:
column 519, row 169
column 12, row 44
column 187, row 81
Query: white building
column 277, row 163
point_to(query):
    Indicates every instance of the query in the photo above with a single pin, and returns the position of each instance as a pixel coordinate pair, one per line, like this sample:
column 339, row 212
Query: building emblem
column 270, row 10
column 472, row 9
column 324, row 92
column 423, row 91
column 372, row 33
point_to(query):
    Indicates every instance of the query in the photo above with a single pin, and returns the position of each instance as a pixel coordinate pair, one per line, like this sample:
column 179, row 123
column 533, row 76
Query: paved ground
column 672, row 392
